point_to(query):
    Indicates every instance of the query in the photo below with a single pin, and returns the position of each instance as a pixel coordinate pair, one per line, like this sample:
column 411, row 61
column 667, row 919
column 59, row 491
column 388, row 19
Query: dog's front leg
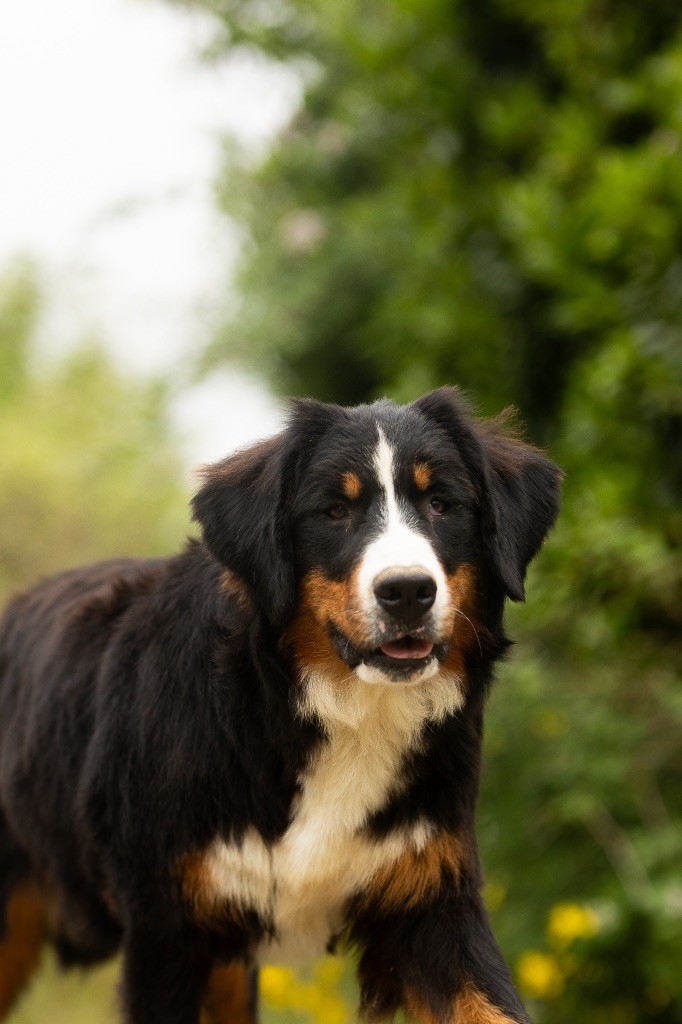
column 437, row 959
column 165, row 974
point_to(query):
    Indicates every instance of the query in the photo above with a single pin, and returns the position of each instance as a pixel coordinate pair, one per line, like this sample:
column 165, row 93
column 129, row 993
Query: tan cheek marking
column 422, row 475
column 470, row 1007
column 463, row 624
column 228, row 996
column 324, row 601
column 462, row 587
column 418, row 873
column 21, row 946
column 352, row 485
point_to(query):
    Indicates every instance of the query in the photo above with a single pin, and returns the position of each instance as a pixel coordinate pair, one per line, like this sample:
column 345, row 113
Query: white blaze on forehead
column 399, row 545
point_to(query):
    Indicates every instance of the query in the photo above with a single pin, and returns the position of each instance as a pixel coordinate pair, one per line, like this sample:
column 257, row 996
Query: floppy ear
column 243, row 513
column 523, row 496
column 518, row 485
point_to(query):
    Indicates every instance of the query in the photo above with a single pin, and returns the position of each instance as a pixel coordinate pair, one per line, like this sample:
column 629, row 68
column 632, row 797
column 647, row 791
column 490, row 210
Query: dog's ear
column 523, row 496
column 518, row 486
column 242, row 508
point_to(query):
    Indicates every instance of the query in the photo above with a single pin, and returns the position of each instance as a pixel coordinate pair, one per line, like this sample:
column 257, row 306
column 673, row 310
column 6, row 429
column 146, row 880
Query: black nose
column 406, row 596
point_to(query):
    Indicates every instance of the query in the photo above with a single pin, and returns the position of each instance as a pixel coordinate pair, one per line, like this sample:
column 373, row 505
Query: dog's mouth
column 406, row 648
column 399, row 657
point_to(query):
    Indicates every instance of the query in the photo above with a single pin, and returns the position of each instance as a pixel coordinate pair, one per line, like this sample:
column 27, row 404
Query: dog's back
column 53, row 639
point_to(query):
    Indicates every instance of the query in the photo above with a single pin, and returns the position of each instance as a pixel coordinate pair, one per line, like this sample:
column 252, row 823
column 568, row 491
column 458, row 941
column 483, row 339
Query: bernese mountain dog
column 268, row 746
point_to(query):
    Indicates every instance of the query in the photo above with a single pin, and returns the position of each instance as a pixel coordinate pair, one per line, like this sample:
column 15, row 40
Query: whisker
column 478, row 639
column 355, row 634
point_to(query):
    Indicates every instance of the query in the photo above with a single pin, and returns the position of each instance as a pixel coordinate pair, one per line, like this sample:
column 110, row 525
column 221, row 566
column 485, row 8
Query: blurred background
column 207, row 206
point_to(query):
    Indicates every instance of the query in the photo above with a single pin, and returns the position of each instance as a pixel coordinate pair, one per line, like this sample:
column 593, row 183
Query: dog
column 268, row 746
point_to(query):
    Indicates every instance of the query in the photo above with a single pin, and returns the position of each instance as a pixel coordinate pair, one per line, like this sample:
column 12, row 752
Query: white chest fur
column 302, row 883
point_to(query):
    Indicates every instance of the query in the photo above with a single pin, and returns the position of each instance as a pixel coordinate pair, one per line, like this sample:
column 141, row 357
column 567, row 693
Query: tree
column 88, row 464
column 489, row 193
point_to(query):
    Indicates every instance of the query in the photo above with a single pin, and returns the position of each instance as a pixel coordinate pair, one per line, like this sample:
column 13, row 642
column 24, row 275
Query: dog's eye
column 437, row 507
column 337, row 511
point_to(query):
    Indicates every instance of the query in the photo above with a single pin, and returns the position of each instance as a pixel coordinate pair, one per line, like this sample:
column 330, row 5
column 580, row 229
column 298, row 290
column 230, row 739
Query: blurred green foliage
column 472, row 191
column 490, row 193
column 89, row 467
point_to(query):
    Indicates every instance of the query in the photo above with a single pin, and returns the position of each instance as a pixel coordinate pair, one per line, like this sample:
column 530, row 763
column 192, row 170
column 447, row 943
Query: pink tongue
column 407, row 648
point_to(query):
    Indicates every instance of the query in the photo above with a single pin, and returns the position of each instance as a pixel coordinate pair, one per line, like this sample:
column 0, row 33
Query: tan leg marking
column 470, row 1007
column 418, row 873
column 211, row 906
column 228, row 996
column 422, row 475
column 21, row 947
column 352, row 485
column 196, row 886
column 199, row 891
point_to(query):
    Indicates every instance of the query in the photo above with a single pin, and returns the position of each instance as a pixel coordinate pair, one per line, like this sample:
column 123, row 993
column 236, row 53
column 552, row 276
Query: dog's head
column 369, row 535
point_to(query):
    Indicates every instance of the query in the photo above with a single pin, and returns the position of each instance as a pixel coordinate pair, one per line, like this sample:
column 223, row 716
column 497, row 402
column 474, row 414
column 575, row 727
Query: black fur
column 517, row 485
column 146, row 708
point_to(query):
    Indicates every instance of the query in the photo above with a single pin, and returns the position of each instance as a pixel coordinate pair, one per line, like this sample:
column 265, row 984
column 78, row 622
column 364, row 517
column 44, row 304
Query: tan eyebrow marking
column 352, row 485
column 422, row 475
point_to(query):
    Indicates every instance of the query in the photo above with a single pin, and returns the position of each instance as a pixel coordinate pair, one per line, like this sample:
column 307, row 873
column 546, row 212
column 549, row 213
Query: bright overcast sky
column 109, row 136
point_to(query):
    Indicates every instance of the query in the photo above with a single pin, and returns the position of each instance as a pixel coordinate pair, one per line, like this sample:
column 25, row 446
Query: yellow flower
column 283, row 990
column 539, row 975
column 332, row 1010
column 328, row 971
column 569, row 921
column 275, row 984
